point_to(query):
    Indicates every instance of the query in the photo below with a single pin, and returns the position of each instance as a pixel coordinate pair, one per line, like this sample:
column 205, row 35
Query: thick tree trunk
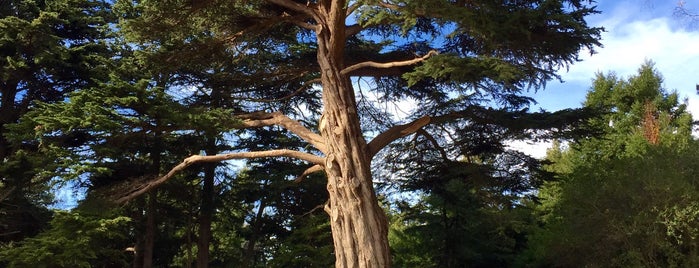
column 137, row 216
column 358, row 223
column 152, row 201
column 190, row 256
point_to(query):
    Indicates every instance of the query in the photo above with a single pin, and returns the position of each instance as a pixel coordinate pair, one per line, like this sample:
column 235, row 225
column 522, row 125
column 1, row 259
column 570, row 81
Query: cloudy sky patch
column 635, row 31
column 628, row 41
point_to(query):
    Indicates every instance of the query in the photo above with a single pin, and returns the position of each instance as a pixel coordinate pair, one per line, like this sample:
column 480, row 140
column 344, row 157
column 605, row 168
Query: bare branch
column 682, row 11
column 352, row 8
column 257, row 27
column 299, row 20
column 10, row 233
column 419, row 12
column 264, row 23
column 304, row 25
column 262, row 119
column 389, row 6
column 434, row 142
column 312, row 210
column 261, row 154
column 305, row 9
column 6, row 193
column 327, row 208
column 302, row 88
column 145, row 187
column 388, row 64
column 393, row 133
column 353, row 29
column 309, row 171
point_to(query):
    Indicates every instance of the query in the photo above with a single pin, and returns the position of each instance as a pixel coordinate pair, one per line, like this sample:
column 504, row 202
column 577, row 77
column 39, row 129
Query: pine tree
column 622, row 198
column 449, row 57
column 47, row 49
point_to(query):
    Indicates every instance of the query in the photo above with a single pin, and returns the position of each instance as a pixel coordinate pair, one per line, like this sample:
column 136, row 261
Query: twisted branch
column 262, row 119
column 393, row 133
column 309, row 171
column 145, row 187
column 387, row 65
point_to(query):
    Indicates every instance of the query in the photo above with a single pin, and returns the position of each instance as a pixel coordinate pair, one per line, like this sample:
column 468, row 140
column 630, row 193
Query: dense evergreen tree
column 47, row 49
column 471, row 211
column 467, row 52
column 624, row 198
column 252, row 80
column 74, row 240
column 108, row 136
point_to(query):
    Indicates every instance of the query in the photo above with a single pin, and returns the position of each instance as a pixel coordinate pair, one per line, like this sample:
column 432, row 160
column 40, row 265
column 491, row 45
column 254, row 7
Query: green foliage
column 515, row 47
column 51, row 46
column 625, row 102
column 308, row 245
column 625, row 198
column 73, row 240
column 467, row 216
column 284, row 223
column 171, row 81
column 47, row 49
column 632, row 211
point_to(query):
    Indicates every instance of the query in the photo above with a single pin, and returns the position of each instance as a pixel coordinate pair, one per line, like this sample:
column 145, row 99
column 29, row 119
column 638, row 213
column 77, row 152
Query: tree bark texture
column 359, row 225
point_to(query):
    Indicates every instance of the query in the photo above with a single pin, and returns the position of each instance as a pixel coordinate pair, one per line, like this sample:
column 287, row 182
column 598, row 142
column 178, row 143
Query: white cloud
column 534, row 149
column 628, row 42
column 627, row 46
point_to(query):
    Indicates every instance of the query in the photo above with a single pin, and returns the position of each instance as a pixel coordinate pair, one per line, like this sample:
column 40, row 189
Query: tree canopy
column 47, row 50
column 447, row 56
column 624, row 198
column 284, row 133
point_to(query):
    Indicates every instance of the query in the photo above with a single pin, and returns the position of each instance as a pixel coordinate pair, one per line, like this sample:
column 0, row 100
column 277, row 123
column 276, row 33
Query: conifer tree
column 449, row 57
column 47, row 49
column 623, row 198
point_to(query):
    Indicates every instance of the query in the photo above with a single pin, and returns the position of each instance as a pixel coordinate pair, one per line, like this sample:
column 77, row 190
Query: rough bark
column 138, row 246
column 359, row 225
column 190, row 256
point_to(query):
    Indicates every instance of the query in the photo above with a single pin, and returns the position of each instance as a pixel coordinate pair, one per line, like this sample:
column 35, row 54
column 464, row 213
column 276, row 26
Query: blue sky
column 634, row 32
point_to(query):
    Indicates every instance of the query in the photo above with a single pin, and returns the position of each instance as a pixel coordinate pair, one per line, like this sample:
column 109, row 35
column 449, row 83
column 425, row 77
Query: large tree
column 629, row 197
column 47, row 49
column 447, row 57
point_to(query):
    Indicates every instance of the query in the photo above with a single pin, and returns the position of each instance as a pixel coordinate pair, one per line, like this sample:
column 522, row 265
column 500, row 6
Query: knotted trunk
column 358, row 223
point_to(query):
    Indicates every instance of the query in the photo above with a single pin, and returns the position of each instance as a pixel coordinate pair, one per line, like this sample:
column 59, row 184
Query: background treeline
column 85, row 107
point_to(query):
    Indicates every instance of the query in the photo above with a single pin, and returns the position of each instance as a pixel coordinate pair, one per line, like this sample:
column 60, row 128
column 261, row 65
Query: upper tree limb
column 262, row 119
